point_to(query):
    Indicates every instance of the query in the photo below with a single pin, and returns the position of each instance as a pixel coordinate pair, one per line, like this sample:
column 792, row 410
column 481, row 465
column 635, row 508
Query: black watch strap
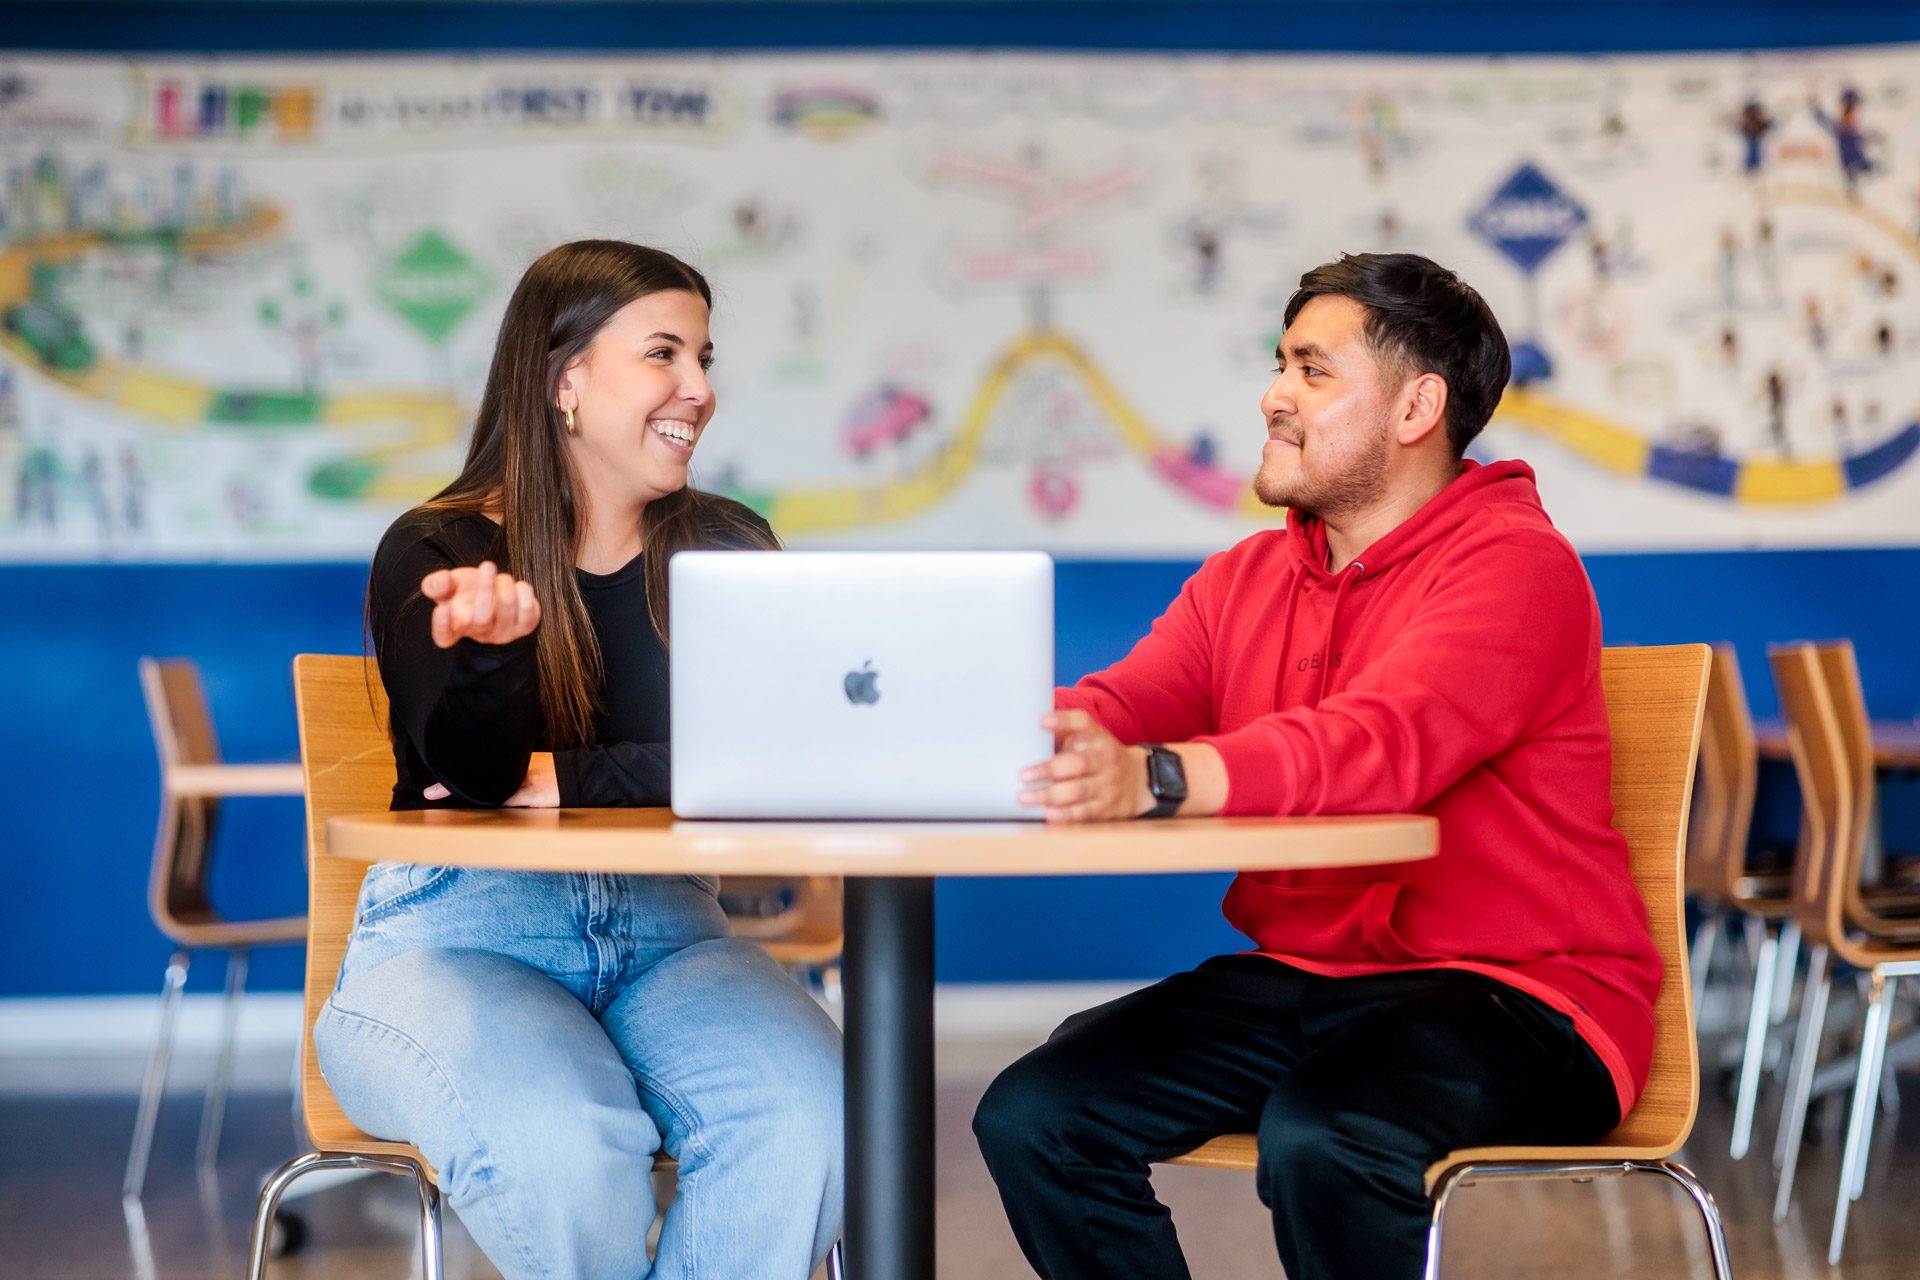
column 1166, row 780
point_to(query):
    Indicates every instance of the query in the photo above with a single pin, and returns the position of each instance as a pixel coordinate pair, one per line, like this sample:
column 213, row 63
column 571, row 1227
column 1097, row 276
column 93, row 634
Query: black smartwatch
column 1166, row 779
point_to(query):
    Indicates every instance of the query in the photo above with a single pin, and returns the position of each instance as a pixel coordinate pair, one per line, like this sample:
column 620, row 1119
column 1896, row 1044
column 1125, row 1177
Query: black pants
column 1353, row 1085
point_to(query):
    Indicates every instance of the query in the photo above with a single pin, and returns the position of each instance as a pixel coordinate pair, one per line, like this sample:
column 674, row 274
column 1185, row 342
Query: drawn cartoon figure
column 1776, row 390
column 1849, row 138
column 1753, row 124
column 1816, row 325
column 1205, row 242
column 133, row 492
column 1765, row 257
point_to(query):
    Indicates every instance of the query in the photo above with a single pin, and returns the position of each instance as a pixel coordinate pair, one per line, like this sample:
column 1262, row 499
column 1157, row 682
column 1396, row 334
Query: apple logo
column 860, row 685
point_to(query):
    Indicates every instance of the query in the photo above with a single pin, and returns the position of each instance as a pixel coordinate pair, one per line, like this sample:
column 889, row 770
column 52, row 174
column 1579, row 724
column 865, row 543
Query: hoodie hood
column 1480, row 487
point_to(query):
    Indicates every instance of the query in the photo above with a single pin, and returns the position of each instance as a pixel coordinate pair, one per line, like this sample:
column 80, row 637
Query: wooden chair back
column 1655, row 698
column 1840, row 669
column 1826, row 794
column 177, row 893
column 1728, row 779
column 348, row 761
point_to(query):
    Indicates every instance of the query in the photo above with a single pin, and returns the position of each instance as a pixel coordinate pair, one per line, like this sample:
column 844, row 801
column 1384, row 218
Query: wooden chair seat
column 206, row 930
column 1238, row 1151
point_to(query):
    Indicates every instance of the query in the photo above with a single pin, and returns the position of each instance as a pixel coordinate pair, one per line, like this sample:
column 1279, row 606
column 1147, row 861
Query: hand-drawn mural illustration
column 962, row 300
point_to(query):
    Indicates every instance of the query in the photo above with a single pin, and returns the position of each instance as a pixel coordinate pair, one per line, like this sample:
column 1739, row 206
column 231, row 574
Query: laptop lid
column 858, row 684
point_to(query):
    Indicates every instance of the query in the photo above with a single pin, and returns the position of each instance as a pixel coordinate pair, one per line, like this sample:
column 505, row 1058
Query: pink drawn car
column 1201, row 479
column 887, row 416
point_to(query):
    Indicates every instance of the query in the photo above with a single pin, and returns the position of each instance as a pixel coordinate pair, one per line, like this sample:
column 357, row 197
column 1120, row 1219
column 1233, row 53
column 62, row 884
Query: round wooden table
column 889, row 926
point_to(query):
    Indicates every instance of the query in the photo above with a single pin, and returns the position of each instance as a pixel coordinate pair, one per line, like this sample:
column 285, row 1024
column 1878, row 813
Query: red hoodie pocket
column 1351, row 922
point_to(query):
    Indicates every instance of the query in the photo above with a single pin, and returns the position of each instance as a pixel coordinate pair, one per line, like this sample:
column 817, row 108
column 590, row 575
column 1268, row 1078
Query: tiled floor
column 60, row 1218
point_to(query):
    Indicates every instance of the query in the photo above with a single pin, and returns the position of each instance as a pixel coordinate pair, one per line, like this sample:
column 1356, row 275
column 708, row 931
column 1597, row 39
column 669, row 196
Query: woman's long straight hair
column 518, row 465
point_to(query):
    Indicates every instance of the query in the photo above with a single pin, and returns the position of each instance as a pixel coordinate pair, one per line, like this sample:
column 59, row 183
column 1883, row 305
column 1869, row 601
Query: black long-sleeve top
column 469, row 717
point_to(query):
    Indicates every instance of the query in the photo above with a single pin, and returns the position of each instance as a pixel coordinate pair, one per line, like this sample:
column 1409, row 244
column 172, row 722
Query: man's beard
column 1361, row 484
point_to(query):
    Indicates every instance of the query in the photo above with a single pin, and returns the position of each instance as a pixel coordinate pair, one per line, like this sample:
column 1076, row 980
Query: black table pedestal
column 889, row 1055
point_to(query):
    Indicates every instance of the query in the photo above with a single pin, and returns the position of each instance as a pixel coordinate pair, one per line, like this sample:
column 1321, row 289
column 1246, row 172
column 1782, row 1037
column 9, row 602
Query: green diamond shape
column 432, row 285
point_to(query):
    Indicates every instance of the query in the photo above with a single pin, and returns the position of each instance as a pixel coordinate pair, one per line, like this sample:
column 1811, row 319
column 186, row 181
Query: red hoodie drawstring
column 1286, row 642
column 1353, row 573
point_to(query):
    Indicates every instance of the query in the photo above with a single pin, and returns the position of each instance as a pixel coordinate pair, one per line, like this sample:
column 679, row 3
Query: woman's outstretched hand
column 480, row 604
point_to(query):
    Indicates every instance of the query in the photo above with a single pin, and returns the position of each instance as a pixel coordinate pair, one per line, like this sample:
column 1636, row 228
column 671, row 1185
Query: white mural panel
column 996, row 300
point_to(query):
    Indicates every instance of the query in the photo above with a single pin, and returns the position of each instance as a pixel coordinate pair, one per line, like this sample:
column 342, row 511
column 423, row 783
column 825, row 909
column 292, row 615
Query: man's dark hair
column 1421, row 318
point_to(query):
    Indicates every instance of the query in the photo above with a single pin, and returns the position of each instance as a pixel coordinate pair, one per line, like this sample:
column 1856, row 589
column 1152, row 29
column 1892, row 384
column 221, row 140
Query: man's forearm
column 1206, row 779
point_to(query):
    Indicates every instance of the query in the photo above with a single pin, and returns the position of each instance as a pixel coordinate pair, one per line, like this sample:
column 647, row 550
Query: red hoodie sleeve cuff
column 1257, row 783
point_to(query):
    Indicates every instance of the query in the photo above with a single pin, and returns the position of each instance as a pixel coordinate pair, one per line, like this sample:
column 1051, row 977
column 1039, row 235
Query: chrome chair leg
column 139, row 1240
column 1806, row 1055
column 154, row 1086
column 836, row 1263
column 1878, row 1076
column 1705, row 936
column 1461, row 1175
column 1709, row 1212
column 1759, row 1017
column 1441, row 1194
column 299, row 1166
column 1783, row 971
column 1866, row 1093
column 263, row 1212
column 213, row 1113
column 430, row 1255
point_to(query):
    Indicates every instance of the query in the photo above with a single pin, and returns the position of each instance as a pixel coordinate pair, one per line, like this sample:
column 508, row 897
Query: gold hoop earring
column 569, row 413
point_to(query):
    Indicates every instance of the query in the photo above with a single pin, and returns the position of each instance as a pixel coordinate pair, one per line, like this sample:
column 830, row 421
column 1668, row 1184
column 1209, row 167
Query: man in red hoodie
column 1419, row 638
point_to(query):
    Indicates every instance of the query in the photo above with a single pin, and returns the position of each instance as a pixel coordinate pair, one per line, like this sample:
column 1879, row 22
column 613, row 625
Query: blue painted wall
column 76, row 758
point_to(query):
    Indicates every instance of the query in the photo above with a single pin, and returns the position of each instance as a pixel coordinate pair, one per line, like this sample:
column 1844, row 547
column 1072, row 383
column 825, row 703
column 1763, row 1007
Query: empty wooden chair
column 193, row 781
column 1828, row 866
column 1654, row 702
column 1882, row 911
column 1726, row 890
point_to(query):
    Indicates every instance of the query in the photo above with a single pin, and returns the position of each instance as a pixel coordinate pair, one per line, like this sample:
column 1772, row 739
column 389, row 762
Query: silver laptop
column 859, row 684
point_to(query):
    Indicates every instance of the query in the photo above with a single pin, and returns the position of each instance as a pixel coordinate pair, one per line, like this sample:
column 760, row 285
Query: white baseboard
column 99, row 1044
column 1015, row 1010
column 83, row 1026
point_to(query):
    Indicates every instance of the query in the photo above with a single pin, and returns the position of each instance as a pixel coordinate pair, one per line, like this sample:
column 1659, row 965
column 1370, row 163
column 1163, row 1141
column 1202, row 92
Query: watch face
column 1166, row 776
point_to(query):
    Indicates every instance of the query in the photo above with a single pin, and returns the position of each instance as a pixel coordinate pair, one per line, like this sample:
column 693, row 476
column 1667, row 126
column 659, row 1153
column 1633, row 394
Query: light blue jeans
column 539, row 1036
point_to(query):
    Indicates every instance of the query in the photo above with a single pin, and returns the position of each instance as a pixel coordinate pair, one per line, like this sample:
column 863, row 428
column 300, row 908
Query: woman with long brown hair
column 540, row 1036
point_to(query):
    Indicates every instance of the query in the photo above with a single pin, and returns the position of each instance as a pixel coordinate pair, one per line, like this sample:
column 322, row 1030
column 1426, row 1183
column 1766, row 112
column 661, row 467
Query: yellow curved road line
column 181, row 402
column 818, row 510
column 1618, row 449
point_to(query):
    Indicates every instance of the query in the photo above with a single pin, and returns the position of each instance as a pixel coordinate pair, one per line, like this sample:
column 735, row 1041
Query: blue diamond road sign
column 1528, row 218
